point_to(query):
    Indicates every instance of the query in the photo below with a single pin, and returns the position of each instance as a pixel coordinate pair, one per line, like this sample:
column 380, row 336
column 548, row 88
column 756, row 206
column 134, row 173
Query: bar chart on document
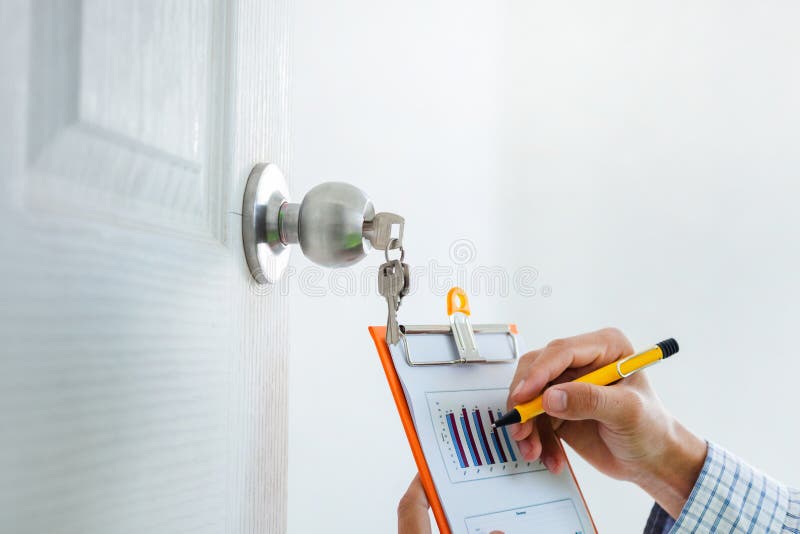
column 470, row 447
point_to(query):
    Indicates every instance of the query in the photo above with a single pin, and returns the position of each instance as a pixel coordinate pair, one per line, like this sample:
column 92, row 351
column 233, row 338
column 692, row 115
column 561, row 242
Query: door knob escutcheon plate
column 265, row 193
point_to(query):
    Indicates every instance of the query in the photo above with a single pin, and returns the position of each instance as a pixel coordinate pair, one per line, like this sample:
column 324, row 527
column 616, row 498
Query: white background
column 641, row 157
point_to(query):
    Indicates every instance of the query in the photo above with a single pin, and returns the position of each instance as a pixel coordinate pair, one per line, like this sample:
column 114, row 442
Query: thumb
column 412, row 511
column 575, row 401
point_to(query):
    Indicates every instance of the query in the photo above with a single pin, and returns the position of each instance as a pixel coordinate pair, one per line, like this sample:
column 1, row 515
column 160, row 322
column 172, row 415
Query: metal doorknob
column 334, row 224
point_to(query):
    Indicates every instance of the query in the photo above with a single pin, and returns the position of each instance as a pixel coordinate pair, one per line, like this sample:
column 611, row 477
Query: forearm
column 670, row 476
column 728, row 496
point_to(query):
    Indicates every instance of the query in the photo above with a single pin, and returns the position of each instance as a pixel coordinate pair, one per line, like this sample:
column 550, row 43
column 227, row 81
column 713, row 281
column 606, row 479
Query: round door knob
column 328, row 224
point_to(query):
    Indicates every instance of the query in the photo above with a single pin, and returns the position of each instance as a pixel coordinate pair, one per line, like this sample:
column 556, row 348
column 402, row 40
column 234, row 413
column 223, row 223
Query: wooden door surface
column 141, row 372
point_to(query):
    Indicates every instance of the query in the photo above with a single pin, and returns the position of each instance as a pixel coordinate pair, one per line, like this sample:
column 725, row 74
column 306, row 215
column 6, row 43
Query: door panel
column 142, row 374
column 122, row 109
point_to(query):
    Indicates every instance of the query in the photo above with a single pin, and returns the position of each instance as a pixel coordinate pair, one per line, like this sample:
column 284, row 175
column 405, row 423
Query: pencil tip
column 511, row 417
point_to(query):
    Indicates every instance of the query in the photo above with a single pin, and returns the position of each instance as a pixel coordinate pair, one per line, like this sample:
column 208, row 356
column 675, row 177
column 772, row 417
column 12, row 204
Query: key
column 379, row 230
column 395, row 243
column 406, row 281
column 391, row 283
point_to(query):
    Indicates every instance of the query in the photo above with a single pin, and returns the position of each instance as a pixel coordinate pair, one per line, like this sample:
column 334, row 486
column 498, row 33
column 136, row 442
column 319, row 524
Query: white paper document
column 482, row 480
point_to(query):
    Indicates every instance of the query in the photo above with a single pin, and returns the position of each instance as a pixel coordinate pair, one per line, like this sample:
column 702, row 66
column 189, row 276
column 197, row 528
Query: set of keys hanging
column 393, row 275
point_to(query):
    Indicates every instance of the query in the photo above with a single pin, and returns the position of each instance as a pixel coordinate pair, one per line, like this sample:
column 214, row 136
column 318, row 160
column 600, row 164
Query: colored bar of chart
column 507, row 438
column 498, row 448
column 451, row 423
column 496, row 439
column 473, row 447
column 473, row 451
column 487, row 452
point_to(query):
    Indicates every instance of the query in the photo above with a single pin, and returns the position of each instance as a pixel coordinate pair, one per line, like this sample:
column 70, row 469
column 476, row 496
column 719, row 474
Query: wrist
column 670, row 476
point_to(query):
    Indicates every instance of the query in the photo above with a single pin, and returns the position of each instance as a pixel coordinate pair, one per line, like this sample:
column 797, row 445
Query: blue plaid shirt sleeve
column 731, row 496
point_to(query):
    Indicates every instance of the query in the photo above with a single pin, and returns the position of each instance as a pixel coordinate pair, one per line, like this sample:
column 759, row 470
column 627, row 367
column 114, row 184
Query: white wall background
column 642, row 157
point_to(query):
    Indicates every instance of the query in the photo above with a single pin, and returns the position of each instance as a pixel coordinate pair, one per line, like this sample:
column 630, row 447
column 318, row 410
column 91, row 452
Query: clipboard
column 467, row 347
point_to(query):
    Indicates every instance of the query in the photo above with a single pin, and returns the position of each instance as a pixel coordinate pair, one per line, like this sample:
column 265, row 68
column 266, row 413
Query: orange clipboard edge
column 378, row 334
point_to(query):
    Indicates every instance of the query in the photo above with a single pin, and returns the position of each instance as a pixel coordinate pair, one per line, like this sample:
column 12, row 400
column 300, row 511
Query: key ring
column 391, row 245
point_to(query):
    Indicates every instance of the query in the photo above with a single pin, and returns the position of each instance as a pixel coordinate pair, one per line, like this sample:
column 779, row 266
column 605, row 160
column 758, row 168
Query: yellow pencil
column 604, row 376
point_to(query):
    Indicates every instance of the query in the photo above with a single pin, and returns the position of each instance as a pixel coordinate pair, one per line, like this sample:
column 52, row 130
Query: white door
column 141, row 372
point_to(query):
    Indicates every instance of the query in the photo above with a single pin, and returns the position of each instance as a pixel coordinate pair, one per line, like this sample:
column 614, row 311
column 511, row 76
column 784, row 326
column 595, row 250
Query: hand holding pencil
column 608, row 374
column 622, row 429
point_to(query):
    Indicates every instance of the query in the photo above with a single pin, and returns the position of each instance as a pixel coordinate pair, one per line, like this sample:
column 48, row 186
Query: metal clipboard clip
column 463, row 334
